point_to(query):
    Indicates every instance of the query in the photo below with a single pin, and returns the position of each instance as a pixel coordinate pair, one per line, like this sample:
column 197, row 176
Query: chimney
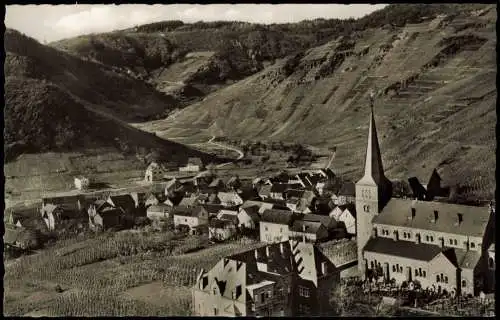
column 323, row 268
column 413, row 213
column 436, row 215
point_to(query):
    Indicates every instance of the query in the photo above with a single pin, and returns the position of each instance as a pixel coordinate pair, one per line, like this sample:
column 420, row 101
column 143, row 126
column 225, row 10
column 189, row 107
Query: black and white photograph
column 253, row 160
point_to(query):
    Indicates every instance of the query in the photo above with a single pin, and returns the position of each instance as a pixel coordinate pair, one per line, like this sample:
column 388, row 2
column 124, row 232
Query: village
column 397, row 248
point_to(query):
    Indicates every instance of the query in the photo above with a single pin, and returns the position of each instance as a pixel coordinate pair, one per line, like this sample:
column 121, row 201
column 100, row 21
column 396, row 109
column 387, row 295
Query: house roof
column 405, row 249
column 492, row 247
column 229, row 197
column 159, row 208
column 183, row 211
column 398, row 213
column 294, row 193
column 248, row 193
column 252, row 212
column 348, row 189
column 216, row 182
column 309, row 226
column 229, row 217
column 466, row 259
column 265, row 189
column 279, row 188
column 195, row 161
column 212, row 208
column 220, row 223
column 277, row 216
column 188, row 201
column 125, row 201
column 325, row 220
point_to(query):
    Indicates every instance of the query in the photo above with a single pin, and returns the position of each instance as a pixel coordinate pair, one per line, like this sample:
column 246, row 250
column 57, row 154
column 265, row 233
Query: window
column 371, row 264
column 416, row 272
column 451, row 241
column 491, row 263
column 393, row 268
column 464, row 283
column 215, row 291
column 445, row 279
column 423, row 274
column 266, row 229
column 281, row 230
column 472, row 245
column 419, row 272
column 366, row 208
column 215, row 311
column 437, row 278
column 432, row 239
column 455, row 241
column 426, row 238
column 185, row 220
column 304, row 292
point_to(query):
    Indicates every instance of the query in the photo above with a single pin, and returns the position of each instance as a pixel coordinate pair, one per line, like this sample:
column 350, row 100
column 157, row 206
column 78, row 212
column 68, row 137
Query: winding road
column 240, row 153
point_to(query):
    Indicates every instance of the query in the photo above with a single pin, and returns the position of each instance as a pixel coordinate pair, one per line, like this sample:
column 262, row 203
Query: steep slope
column 115, row 93
column 435, row 105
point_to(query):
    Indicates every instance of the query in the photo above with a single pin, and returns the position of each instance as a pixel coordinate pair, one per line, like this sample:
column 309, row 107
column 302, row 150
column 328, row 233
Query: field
column 111, row 275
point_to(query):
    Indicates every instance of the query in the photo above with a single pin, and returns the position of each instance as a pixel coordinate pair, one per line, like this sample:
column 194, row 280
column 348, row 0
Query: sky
column 54, row 22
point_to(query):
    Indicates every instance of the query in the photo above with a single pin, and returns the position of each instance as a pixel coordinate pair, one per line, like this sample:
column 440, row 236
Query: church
column 440, row 246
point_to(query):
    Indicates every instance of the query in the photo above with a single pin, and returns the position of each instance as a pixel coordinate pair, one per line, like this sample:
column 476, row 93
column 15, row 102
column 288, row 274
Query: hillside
column 59, row 124
column 189, row 61
column 435, row 105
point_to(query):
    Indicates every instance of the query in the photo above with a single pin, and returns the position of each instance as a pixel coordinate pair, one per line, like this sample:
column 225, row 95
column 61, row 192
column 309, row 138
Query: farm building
column 283, row 279
column 82, row 183
column 220, row 229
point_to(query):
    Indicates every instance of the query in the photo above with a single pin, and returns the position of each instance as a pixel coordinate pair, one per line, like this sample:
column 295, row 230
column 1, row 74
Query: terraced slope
column 435, row 106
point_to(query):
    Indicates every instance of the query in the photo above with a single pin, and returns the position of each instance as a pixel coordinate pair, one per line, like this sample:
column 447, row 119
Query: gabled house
column 308, row 231
column 275, row 225
column 212, row 209
column 51, row 214
column 190, row 217
column 278, row 191
column 189, row 202
column 282, row 279
column 262, row 205
column 73, row 207
column 188, row 188
column 151, row 200
column 193, row 165
column 221, row 230
column 154, row 172
column 347, row 215
column 327, row 221
column 103, row 216
column 229, row 199
column 249, row 217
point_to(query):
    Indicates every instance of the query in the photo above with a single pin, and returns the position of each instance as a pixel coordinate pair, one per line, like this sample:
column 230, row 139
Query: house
column 188, row 188
column 124, row 202
column 230, row 216
column 320, row 187
column 190, row 217
column 212, row 209
column 229, row 199
column 438, row 244
column 275, row 225
column 347, row 193
column 278, row 191
column 328, row 222
column 73, row 207
column 154, row 172
column 171, row 186
column 249, row 217
column 347, row 215
column 265, row 191
column 248, row 193
column 193, row 165
column 51, row 214
column 308, row 231
column 220, row 229
column 282, row 279
column 151, row 200
column 262, row 205
column 103, row 215
column 82, row 183
column 203, row 179
column 159, row 212
column 191, row 201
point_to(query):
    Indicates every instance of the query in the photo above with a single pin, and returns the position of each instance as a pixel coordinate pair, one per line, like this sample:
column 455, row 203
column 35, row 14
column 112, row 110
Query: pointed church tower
column 373, row 191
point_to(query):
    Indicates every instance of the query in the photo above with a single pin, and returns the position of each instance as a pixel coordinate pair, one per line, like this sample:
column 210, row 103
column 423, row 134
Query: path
column 240, row 153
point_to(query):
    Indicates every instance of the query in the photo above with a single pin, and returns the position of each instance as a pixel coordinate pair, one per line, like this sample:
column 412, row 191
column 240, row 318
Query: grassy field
column 111, row 275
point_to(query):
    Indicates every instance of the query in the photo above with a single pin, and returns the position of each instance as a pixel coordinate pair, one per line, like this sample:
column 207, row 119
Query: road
column 240, row 153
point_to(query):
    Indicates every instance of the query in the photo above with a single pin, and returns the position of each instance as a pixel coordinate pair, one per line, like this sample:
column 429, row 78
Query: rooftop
column 405, row 249
column 277, row 216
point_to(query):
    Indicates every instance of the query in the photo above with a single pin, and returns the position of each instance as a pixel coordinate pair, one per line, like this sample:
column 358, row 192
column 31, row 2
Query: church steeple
column 374, row 170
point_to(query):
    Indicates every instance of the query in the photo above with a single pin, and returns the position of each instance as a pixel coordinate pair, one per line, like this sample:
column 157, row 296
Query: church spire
column 374, row 170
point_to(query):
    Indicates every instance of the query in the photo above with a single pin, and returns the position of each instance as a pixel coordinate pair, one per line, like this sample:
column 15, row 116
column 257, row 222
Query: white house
column 193, row 165
column 191, row 218
column 82, row 183
column 347, row 216
column 248, row 217
column 159, row 212
column 154, row 172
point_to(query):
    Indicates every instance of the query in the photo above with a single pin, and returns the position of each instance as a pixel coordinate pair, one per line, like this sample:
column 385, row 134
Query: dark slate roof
column 248, row 193
column 253, row 212
column 277, row 216
column 404, row 249
column 325, row 220
column 310, row 226
column 212, row 208
column 183, row 211
column 159, row 207
column 398, row 213
column 294, row 193
column 279, row 187
column 126, row 202
column 219, row 223
column 348, row 189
